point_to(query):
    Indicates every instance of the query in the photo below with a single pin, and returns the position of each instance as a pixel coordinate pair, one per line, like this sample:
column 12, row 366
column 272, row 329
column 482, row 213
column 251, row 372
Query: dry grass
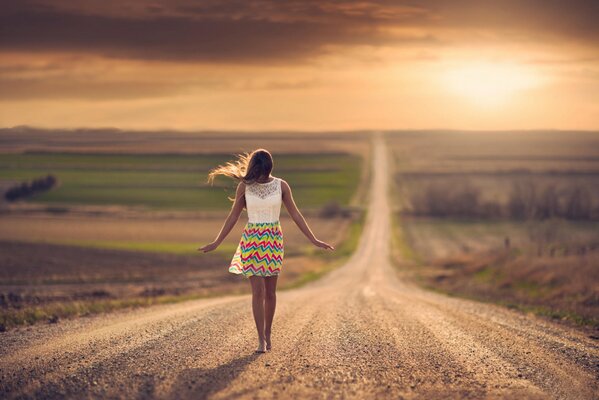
column 455, row 151
column 565, row 288
column 542, row 271
column 558, row 278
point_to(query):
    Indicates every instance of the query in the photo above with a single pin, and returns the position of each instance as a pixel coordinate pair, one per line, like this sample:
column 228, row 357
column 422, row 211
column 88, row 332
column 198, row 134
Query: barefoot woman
column 259, row 255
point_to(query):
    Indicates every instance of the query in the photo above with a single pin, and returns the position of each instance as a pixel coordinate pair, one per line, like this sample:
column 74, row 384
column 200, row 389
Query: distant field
column 110, row 141
column 175, row 235
column 437, row 238
column 492, row 162
column 172, row 181
column 456, row 195
column 123, row 226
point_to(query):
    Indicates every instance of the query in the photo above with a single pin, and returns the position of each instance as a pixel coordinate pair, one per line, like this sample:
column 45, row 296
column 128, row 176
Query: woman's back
column 259, row 254
column 263, row 201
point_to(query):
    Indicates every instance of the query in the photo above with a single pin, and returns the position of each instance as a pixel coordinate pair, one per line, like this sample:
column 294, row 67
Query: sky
column 300, row 64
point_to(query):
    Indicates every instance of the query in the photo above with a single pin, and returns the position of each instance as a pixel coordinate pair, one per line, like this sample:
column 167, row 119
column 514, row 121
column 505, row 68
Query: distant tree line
column 525, row 201
column 27, row 189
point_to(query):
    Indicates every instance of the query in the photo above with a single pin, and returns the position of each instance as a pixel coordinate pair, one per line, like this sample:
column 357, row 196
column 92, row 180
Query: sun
column 489, row 84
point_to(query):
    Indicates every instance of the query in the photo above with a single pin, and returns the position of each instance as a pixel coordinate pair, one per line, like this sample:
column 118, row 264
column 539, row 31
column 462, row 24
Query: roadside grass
column 555, row 314
column 53, row 312
column 502, row 277
column 334, row 259
column 400, row 243
column 348, row 246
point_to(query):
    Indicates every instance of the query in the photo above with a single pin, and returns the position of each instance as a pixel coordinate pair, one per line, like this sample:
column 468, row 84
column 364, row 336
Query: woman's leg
column 258, row 308
column 270, row 303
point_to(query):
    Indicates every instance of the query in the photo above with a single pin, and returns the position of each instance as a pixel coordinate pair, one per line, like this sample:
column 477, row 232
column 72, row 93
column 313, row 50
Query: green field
column 173, row 181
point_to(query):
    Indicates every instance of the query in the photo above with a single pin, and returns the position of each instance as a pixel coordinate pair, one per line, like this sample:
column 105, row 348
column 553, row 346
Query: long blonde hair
column 247, row 168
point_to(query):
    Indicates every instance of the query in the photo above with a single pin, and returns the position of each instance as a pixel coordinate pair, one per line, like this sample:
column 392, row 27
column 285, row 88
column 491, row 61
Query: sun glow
column 489, row 84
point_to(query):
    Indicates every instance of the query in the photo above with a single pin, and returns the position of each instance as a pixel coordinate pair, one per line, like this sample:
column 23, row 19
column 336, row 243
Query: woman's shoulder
column 283, row 183
column 240, row 191
column 241, row 185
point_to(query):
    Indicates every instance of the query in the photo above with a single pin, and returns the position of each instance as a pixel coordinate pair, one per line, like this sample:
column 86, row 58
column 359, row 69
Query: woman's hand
column 209, row 247
column 324, row 245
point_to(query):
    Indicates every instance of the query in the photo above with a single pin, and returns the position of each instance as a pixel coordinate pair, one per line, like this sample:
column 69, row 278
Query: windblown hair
column 247, row 168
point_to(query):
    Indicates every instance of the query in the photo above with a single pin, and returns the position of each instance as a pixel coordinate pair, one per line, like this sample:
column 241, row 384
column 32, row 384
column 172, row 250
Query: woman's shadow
column 198, row 383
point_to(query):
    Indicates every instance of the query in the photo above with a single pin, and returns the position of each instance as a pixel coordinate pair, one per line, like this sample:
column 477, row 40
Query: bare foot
column 268, row 346
column 261, row 347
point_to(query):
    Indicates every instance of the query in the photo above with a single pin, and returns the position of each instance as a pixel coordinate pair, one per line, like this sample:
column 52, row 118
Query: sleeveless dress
column 260, row 250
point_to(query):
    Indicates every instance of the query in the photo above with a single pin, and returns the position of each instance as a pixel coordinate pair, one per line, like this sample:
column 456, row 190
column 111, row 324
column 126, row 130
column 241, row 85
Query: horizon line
column 360, row 130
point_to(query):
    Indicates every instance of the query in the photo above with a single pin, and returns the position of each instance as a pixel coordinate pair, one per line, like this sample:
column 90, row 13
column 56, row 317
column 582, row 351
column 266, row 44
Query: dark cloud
column 573, row 20
column 181, row 38
column 339, row 12
column 274, row 31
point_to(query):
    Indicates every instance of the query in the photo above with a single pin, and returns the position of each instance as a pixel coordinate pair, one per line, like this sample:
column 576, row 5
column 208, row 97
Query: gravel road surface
column 360, row 332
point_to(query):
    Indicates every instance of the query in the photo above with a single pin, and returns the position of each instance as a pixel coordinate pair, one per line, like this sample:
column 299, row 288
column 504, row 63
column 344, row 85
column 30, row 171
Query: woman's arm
column 231, row 220
column 298, row 218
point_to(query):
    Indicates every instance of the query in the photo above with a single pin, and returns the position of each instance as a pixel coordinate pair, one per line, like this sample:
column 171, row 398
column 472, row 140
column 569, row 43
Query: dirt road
column 358, row 333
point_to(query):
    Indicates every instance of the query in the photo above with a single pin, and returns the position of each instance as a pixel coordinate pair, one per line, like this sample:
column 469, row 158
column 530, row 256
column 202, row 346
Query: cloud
column 282, row 84
column 57, row 79
column 210, row 37
column 52, row 88
column 572, row 20
column 113, row 49
column 280, row 32
column 92, row 79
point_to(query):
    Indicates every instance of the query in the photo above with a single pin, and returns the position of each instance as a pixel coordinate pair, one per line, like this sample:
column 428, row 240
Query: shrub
column 27, row 189
column 578, row 204
column 332, row 209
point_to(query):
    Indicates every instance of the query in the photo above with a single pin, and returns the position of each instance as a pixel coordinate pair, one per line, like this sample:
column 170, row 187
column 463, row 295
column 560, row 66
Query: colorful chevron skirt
column 260, row 250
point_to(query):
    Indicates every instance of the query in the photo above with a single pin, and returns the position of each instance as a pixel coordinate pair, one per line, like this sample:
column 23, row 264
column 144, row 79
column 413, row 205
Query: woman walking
column 259, row 255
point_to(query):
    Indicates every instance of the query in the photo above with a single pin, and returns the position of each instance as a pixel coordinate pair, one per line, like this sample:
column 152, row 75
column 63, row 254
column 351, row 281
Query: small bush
column 333, row 209
column 27, row 189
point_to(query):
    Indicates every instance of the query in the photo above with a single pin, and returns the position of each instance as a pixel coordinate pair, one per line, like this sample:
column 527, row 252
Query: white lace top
column 263, row 201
